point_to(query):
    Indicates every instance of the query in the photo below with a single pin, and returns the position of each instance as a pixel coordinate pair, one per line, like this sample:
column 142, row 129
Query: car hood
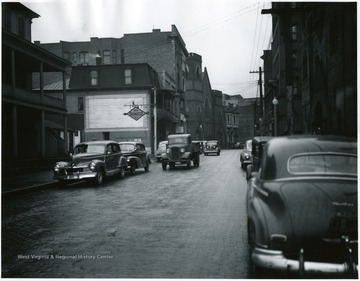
column 86, row 158
column 321, row 207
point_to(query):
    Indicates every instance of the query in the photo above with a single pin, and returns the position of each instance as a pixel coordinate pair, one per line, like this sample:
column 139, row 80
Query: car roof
column 103, row 142
column 129, row 142
column 278, row 150
column 178, row 135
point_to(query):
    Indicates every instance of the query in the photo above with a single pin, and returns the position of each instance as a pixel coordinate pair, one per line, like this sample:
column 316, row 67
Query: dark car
column 302, row 206
column 136, row 155
column 245, row 155
column 212, row 146
column 257, row 145
column 92, row 160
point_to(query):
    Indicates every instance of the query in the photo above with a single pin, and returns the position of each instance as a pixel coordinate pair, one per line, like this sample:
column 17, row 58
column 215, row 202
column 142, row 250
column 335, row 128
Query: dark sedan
column 302, row 206
column 136, row 155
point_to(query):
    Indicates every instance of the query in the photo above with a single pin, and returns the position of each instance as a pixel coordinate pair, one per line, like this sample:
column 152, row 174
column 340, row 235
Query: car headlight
column 92, row 166
column 57, row 168
column 182, row 150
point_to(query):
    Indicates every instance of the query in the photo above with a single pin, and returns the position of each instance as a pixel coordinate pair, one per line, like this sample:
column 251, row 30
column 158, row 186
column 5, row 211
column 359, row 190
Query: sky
column 230, row 35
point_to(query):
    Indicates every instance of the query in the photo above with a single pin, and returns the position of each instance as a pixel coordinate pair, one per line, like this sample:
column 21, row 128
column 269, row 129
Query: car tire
column 146, row 168
column 164, row 166
column 122, row 172
column 99, row 178
column 132, row 169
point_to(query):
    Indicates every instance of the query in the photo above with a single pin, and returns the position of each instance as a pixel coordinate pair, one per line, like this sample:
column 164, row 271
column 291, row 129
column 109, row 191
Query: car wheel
column 122, row 172
column 132, row 169
column 99, row 177
column 164, row 166
column 146, row 168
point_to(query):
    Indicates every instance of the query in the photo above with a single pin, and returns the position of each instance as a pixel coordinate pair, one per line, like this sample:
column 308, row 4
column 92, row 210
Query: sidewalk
column 27, row 182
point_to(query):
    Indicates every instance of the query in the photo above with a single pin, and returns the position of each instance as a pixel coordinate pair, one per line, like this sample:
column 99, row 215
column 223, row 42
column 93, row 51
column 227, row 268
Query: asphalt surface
column 181, row 223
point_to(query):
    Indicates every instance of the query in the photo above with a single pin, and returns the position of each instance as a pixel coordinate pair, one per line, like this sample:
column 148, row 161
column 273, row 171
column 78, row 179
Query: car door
column 141, row 152
column 111, row 157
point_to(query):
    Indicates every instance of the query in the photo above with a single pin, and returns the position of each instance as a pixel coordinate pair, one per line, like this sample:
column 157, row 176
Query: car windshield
column 212, row 143
column 178, row 140
column 89, row 148
column 329, row 163
column 127, row 147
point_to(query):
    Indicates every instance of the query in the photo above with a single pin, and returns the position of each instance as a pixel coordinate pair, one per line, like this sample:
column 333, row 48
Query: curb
column 25, row 190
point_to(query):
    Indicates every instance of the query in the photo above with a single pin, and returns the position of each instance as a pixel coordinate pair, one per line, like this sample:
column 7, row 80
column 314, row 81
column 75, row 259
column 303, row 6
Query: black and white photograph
column 179, row 139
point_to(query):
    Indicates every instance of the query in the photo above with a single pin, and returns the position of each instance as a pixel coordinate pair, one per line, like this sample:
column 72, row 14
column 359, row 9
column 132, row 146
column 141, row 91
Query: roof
column 97, row 142
column 129, row 142
column 178, row 135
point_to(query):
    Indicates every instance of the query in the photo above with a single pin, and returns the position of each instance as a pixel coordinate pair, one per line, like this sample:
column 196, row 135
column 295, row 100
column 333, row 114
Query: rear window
column 127, row 146
column 323, row 163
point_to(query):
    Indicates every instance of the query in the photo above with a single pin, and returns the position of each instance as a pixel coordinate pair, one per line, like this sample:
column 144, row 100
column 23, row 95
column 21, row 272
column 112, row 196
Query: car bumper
column 75, row 176
column 276, row 260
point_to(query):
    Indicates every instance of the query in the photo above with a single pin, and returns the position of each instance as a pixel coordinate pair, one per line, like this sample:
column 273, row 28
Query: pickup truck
column 181, row 150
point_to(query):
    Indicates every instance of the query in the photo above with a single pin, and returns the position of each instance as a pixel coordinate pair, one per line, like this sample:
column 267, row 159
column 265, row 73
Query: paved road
column 162, row 224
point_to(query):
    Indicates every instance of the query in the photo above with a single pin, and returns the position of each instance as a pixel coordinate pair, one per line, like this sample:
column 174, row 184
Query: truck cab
column 181, row 150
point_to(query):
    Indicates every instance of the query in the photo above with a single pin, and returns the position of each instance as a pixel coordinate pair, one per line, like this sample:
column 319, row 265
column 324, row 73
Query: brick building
column 314, row 68
column 204, row 110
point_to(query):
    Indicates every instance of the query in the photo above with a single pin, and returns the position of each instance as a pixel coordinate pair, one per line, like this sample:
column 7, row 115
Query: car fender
column 132, row 159
column 257, row 217
column 187, row 155
column 99, row 164
column 122, row 162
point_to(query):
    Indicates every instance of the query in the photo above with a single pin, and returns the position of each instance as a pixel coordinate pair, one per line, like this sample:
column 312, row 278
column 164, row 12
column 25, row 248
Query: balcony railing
column 32, row 97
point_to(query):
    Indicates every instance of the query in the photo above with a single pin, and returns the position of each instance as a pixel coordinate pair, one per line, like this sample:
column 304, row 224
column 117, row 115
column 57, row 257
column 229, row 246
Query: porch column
column 41, row 81
column 13, row 76
column 14, row 132
column 66, row 139
column 42, row 135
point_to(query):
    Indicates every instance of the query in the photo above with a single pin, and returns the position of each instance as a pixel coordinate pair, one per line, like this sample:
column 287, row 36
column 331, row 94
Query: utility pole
column 261, row 92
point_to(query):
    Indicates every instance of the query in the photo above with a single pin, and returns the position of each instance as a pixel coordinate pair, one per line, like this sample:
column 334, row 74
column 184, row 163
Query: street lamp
column 275, row 103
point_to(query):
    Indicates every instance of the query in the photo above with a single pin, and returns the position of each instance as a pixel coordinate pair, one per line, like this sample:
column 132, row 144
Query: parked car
column 161, row 149
column 245, row 155
column 239, row 145
column 257, row 145
column 136, row 155
column 302, row 206
column 212, row 146
column 201, row 144
column 92, row 160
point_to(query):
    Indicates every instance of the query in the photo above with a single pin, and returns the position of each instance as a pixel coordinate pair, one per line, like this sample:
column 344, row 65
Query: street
column 179, row 223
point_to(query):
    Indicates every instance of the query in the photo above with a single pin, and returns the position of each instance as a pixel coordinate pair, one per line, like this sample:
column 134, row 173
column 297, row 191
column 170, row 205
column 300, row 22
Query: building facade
column 31, row 119
column 314, row 67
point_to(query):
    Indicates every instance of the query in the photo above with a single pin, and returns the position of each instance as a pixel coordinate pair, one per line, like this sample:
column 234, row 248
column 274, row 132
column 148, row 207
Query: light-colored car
column 92, row 160
column 136, row 156
column 161, row 149
column 212, row 146
column 302, row 207
column 245, row 155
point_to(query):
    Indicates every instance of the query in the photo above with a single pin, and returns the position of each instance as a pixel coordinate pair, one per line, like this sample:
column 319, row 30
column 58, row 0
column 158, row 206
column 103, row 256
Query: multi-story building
column 164, row 51
column 314, row 69
column 204, row 110
column 31, row 120
column 242, row 118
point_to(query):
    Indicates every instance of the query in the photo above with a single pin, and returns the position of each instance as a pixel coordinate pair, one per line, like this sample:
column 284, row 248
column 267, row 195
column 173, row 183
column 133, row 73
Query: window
column 21, row 27
column 106, row 57
column 128, row 77
column 122, row 56
column 94, row 78
column 80, row 103
column 74, row 57
column 293, row 32
column 66, row 55
column 83, row 57
column 106, row 135
column 114, row 57
column 7, row 20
